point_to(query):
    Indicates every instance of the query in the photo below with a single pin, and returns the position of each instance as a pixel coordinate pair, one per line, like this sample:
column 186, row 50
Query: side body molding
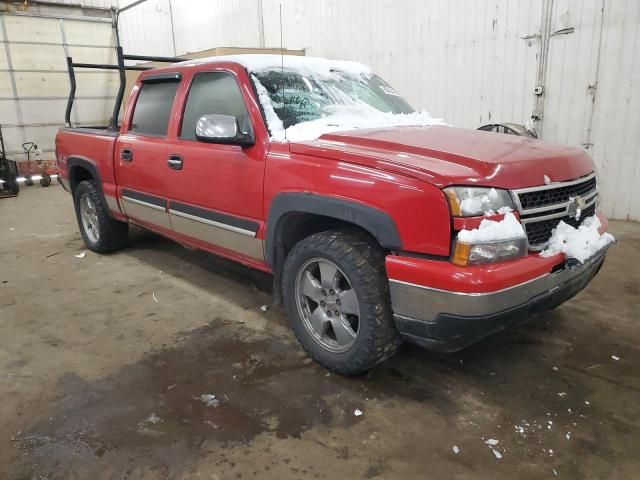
column 375, row 221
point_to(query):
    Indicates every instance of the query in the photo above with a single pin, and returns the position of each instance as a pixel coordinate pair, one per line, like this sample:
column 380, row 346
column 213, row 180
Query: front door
column 216, row 190
column 141, row 155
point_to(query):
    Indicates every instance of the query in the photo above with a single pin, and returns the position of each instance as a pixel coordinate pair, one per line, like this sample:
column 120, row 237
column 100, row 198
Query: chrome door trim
column 144, row 204
column 213, row 223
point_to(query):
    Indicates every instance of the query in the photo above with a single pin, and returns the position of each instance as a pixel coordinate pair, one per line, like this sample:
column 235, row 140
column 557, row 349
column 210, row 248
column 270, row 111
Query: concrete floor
column 104, row 361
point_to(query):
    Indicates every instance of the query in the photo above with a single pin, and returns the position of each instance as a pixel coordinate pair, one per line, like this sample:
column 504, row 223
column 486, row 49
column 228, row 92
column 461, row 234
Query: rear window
column 153, row 108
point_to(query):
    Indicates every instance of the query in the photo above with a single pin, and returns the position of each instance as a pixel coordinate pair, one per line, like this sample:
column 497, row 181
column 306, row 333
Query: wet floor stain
column 213, row 388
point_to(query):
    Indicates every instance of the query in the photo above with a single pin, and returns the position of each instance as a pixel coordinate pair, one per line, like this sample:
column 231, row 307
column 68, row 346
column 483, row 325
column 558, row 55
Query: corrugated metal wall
column 468, row 61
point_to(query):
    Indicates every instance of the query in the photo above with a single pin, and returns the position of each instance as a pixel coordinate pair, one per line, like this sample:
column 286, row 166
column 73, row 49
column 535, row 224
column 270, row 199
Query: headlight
column 475, row 201
column 475, row 254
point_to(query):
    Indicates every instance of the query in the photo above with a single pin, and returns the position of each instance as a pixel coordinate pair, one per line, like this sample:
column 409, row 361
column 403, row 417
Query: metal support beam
column 72, row 92
column 131, row 5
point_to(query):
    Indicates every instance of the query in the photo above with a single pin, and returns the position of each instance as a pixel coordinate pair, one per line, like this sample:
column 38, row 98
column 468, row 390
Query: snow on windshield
column 312, row 97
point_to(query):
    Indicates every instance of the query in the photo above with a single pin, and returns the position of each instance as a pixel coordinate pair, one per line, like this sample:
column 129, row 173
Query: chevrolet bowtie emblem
column 575, row 207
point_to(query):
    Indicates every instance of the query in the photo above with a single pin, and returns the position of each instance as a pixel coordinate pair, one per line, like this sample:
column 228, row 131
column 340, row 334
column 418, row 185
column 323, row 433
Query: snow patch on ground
column 491, row 231
column 209, row 400
column 580, row 243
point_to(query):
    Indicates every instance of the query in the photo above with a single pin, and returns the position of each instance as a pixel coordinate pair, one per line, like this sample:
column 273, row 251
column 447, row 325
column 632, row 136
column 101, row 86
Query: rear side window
column 213, row 93
column 153, row 108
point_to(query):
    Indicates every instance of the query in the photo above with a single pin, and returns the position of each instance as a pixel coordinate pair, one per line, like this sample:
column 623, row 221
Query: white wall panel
column 32, row 29
column 216, row 23
column 38, row 46
column 146, row 28
column 616, row 119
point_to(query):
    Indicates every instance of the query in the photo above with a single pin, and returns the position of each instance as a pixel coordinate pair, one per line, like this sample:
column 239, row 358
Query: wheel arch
column 80, row 169
column 292, row 216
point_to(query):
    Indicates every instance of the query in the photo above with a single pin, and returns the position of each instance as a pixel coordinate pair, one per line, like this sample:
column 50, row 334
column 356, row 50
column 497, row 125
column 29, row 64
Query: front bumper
column 448, row 321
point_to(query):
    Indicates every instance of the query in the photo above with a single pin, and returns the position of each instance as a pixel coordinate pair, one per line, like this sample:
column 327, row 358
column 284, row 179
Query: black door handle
column 126, row 155
column 175, row 162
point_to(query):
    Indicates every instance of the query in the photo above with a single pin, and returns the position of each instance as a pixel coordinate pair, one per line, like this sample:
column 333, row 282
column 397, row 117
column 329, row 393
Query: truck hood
column 453, row 156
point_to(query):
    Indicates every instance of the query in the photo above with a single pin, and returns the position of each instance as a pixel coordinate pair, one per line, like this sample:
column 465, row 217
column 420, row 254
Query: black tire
column 362, row 262
column 45, row 181
column 28, row 182
column 14, row 187
column 112, row 234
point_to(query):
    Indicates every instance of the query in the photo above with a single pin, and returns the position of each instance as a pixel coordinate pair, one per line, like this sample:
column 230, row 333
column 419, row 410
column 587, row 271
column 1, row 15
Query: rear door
column 216, row 191
column 141, row 153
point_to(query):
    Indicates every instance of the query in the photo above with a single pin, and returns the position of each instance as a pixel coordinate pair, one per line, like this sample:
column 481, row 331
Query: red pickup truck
column 379, row 223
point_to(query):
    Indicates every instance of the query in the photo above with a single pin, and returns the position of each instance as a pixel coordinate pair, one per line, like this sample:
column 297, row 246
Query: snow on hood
column 348, row 117
column 580, row 243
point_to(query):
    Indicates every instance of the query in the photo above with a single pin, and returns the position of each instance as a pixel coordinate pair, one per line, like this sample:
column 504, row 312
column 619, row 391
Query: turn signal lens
column 466, row 254
column 461, row 254
column 454, row 202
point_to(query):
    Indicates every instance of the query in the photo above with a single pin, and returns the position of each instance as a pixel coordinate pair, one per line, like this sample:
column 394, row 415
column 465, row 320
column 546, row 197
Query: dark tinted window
column 153, row 108
column 213, row 93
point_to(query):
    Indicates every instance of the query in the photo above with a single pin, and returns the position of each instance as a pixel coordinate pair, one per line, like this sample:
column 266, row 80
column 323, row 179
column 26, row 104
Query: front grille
column 542, row 208
column 554, row 196
column 539, row 232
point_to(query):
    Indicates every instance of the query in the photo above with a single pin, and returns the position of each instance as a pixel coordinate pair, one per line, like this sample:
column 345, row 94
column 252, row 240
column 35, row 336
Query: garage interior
column 109, row 360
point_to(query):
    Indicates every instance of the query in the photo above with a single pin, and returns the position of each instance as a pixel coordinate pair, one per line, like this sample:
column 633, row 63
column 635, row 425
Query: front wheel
column 337, row 297
column 99, row 231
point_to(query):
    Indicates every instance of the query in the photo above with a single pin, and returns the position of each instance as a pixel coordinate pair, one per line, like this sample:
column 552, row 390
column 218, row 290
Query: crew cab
column 365, row 211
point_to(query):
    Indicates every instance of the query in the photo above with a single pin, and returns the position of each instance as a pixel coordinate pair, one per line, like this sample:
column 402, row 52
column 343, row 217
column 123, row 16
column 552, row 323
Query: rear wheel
column 100, row 232
column 45, row 181
column 28, row 181
column 337, row 297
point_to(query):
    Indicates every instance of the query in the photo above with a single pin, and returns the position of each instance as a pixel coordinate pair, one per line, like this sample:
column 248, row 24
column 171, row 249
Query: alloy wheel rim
column 328, row 305
column 89, row 218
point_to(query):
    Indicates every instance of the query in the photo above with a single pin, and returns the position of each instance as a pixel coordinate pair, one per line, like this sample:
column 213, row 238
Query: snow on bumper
column 444, row 307
column 578, row 243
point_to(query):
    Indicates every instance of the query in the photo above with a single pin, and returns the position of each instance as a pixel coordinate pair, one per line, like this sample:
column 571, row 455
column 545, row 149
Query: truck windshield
column 298, row 96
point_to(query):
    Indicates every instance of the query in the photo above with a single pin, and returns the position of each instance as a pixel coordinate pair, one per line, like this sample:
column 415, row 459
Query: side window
column 213, row 93
column 153, row 108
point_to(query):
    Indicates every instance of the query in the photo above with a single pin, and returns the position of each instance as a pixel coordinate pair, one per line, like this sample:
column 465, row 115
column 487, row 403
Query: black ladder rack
column 121, row 67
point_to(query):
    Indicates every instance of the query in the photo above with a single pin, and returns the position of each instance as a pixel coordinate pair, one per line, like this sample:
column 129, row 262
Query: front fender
column 377, row 222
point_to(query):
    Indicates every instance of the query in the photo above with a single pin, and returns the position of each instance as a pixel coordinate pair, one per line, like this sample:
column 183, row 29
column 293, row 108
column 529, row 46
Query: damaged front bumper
column 448, row 321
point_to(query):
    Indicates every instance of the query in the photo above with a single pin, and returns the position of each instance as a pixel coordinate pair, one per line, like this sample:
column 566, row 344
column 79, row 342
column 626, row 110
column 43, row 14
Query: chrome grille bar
column 556, row 210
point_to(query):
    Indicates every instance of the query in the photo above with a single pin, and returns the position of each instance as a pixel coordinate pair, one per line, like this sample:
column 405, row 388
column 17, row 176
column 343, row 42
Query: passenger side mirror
column 222, row 129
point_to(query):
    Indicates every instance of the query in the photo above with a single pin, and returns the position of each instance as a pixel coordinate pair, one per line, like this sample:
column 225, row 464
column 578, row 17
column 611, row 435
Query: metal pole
column 173, row 30
column 131, row 5
column 123, row 83
column 72, row 91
